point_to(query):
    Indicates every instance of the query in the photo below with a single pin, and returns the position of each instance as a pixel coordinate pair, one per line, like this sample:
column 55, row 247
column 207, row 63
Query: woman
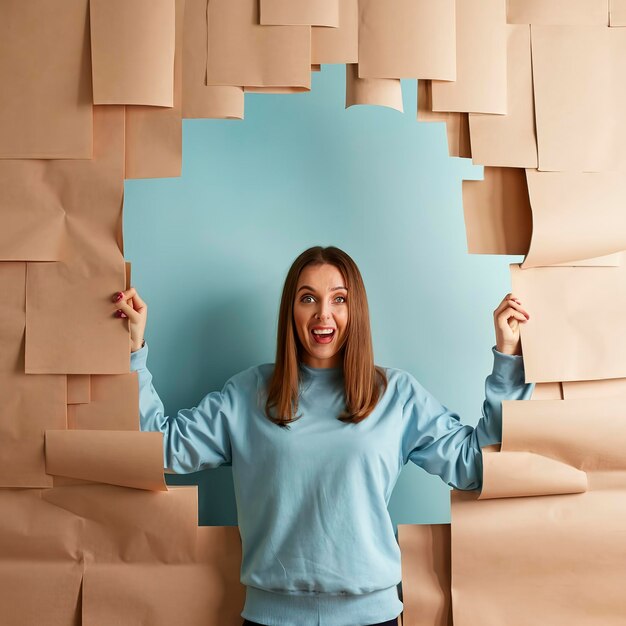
column 317, row 441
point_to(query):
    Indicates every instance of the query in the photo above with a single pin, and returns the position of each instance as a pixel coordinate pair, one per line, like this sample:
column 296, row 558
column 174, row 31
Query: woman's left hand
column 506, row 318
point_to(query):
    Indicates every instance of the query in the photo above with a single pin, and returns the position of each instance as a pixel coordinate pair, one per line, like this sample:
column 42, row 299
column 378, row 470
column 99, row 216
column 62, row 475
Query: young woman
column 317, row 441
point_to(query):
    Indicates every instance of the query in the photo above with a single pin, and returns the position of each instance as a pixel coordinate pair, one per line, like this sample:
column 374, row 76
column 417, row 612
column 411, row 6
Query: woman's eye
column 305, row 297
column 341, row 298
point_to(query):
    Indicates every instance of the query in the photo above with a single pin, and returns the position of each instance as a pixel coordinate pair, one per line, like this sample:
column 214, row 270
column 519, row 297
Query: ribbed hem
column 320, row 609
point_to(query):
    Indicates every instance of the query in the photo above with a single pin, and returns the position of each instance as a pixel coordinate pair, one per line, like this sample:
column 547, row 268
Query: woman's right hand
column 130, row 305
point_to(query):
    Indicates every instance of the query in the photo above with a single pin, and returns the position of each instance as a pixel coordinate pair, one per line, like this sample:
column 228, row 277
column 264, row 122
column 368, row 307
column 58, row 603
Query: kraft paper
column 86, row 339
column 300, row 12
column 30, row 403
column 425, row 550
column 594, row 388
column 585, row 131
column 46, row 97
column 116, row 457
column 498, row 217
column 203, row 592
column 617, row 13
column 558, row 12
column 407, row 39
column 241, row 52
column 154, row 142
column 548, row 391
column 338, row 45
column 381, row 91
column 481, row 60
column 198, row 99
column 132, row 51
column 114, row 404
column 510, row 140
column 570, row 334
column 78, row 389
column 564, row 228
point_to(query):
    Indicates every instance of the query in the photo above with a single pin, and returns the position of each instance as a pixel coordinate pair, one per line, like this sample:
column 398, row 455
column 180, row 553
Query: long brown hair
column 362, row 379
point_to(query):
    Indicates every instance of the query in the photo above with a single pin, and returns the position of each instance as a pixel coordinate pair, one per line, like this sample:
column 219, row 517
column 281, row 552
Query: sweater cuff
column 139, row 358
column 508, row 367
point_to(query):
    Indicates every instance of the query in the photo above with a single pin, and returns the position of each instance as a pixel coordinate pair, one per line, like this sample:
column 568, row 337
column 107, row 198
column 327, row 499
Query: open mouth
column 324, row 336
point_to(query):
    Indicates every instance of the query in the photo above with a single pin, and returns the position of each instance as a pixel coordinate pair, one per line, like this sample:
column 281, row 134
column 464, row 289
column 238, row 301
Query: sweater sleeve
column 434, row 438
column 193, row 439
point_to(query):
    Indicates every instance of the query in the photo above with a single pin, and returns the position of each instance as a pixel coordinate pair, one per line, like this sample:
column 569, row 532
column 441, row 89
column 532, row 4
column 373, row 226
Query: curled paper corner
column 522, row 474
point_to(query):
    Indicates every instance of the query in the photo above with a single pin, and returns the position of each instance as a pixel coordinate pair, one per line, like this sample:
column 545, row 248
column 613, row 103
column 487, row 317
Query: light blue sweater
column 318, row 542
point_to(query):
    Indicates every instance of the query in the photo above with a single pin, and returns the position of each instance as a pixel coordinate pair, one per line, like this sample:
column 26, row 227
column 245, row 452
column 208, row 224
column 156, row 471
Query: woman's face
column 321, row 303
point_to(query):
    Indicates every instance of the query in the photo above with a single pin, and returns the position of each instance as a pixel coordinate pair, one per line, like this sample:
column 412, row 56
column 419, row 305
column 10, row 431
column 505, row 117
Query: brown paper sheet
column 31, row 404
column 299, row 12
column 425, row 552
column 549, row 536
column 276, row 90
column 571, row 335
column 594, row 388
column 498, row 218
column 548, row 391
column 243, row 52
column 407, row 39
column 200, row 100
column 46, row 82
column 338, row 45
column 132, row 51
column 154, row 141
column 316, row 67
column 584, row 131
column 87, row 339
column 481, row 60
column 565, row 228
column 558, row 12
column 510, row 140
column 114, row 405
column 203, row 592
column 116, row 457
column 385, row 92
column 78, row 389
column 617, row 13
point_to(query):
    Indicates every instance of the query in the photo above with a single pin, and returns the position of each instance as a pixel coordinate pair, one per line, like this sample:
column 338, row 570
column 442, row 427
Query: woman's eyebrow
column 311, row 288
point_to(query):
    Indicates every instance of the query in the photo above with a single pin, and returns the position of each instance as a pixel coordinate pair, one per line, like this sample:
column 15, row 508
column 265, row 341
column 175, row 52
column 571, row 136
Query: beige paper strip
column 523, row 474
column 594, row 388
column 570, row 334
column 46, row 83
column 575, row 216
column 87, row 339
column 510, row 140
column 116, row 457
column 548, row 391
column 498, row 219
column 425, row 552
column 481, row 62
column 114, row 405
column 242, row 52
column 580, row 126
column 558, row 12
column 385, row 92
column 78, row 389
column 407, row 39
column 31, row 403
column 132, row 51
column 338, row 45
column 299, row 12
column 425, row 111
column 457, row 130
column 200, row 100
column 202, row 592
column 617, row 12
column 154, row 142
column 549, row 547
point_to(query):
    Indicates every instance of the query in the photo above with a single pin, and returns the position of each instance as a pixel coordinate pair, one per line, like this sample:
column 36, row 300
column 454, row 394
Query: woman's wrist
column 137, row 346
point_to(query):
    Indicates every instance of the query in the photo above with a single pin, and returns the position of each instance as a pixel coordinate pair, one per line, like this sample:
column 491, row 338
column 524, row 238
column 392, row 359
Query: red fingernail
column 122, row 314
column 119, row 296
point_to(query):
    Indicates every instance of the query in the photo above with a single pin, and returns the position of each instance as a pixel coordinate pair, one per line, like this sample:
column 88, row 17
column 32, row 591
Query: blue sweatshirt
column 318, row 544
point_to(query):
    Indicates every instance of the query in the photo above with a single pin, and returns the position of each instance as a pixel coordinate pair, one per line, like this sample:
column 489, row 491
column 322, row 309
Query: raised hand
column 507, row 318
column 129, row 305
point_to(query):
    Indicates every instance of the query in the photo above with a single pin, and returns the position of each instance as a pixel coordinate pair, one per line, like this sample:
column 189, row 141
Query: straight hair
column 363, row 381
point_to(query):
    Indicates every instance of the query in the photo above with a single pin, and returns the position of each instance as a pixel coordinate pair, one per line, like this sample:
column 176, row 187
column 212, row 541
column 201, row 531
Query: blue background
column 210, row 251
